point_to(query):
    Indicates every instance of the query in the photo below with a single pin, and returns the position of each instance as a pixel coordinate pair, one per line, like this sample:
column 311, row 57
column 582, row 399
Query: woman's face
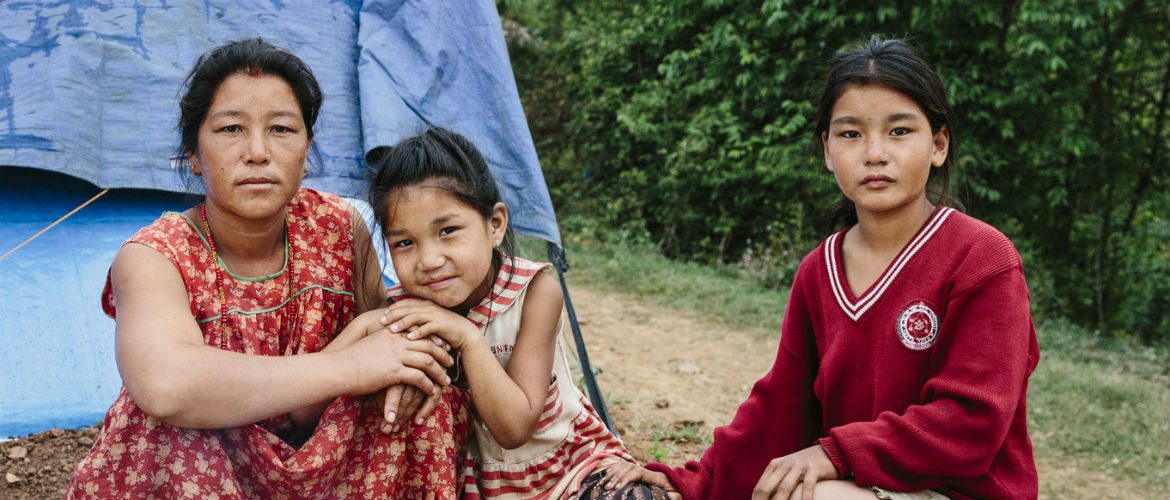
column 252, row 146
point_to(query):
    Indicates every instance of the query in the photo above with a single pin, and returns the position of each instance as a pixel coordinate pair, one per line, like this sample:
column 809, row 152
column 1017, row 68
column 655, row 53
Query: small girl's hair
column 895, row 64
column 443, row 159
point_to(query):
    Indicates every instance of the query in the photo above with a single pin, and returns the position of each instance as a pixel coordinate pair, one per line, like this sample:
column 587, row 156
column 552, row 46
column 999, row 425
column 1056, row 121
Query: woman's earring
column 195, row 169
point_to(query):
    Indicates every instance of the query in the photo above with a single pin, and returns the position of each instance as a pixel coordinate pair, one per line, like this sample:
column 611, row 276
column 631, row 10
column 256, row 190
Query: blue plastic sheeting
column 56, row 346
column 90, row 88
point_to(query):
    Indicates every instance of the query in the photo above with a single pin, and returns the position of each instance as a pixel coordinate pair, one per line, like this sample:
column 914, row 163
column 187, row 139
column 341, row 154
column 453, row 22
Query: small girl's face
column 442, row 248
column 880, row 148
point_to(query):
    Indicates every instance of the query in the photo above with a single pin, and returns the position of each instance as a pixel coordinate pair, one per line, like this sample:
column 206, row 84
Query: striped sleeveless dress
column 570, row 441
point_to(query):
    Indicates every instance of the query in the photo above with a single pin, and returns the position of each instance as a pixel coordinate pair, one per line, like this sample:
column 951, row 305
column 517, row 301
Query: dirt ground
column 669, row 380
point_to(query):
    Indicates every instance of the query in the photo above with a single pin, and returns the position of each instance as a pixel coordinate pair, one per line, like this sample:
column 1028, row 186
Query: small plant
column 658, row 451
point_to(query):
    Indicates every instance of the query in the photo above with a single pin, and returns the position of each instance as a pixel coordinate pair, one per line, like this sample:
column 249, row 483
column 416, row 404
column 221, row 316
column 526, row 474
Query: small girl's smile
column 439, row 284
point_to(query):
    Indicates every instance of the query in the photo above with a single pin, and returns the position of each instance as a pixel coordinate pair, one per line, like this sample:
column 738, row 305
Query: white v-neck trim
column 869, row 297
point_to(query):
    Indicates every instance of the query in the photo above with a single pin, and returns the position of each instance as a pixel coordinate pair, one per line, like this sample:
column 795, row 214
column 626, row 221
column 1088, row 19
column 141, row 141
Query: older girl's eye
column 899, row 131
column 401, row 244
column 850, row 134
column 447, row 230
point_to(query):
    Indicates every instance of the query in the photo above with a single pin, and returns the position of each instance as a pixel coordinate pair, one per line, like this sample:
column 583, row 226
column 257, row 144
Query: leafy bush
column 687, row 123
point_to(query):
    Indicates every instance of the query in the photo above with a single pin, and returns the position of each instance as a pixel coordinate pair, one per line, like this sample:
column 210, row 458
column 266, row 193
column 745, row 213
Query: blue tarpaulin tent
column 89, row 89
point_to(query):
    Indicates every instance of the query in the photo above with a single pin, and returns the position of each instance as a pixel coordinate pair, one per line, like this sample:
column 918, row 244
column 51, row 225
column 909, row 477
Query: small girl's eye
column 900, row 131
column 447, row 230
column 850, row 134
column 401, row 244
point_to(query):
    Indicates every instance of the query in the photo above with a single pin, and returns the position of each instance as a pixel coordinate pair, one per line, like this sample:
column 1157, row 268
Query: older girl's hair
column 443, row 159
column 895, row 64
column 253, row 56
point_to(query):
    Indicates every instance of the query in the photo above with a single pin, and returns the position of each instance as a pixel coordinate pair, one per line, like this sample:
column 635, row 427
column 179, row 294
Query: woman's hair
column 253, row 56
column 895, row 64
column 443, row 159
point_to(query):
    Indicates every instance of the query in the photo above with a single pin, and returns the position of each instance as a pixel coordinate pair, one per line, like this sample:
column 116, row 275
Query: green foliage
column 686, row 123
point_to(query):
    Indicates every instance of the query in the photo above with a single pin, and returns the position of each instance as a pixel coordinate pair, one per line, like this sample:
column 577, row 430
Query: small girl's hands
column 625, row 473
column 422, row 318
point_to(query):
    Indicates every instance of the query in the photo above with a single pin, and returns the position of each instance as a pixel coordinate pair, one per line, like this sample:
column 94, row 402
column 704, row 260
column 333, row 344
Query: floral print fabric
column 346, row 456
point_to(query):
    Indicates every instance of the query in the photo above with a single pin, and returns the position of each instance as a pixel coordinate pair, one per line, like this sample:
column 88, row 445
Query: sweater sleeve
column 984, row 354
column 779, row 417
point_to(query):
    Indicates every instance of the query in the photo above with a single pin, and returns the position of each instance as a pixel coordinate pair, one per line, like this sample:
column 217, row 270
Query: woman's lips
column 257, row 182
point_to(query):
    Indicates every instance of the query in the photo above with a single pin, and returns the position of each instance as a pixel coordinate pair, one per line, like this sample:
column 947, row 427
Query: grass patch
column 1098, row 407
column 723, row 294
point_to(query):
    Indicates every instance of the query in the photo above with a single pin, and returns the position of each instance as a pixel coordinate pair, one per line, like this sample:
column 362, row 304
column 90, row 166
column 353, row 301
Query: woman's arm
column 369, row 293
column 509, row 403
column 174, row 376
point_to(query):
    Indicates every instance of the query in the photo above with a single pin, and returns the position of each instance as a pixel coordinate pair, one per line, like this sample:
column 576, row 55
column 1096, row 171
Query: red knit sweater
column 920, row 383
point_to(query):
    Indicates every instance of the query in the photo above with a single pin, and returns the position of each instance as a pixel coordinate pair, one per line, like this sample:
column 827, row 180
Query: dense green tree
column 687, row 122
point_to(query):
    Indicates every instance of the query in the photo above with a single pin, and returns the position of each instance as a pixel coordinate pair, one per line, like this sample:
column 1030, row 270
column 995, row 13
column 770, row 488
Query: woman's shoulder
column 170, row 234
column 320, row 203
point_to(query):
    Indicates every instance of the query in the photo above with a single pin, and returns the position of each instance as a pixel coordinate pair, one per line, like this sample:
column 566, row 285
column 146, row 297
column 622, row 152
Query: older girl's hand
column 801, row 469
column 625, row 473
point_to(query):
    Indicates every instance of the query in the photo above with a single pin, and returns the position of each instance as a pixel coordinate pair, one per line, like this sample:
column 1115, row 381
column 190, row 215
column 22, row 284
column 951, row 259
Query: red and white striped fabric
column 570, row 441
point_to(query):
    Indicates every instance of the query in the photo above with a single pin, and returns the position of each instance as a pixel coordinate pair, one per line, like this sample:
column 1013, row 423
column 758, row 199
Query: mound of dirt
column 39, row 466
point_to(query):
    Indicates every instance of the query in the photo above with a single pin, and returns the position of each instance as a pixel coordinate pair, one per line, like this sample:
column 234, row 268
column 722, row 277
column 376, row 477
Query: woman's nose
column 257, row 152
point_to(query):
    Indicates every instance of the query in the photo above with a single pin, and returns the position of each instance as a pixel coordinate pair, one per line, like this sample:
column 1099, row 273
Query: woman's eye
column 281, row 129
column 231, row 129
column 899, row 131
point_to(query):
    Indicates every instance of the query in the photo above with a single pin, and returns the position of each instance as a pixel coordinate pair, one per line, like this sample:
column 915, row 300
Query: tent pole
column 556, row 255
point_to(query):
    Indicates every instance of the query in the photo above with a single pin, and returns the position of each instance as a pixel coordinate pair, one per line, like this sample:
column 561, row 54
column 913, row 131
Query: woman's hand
column 625, row 473
column 801, row 469
column 383, row 359
column 420, row 319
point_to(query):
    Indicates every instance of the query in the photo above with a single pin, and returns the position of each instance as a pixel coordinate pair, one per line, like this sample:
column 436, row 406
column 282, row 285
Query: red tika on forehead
column 256, row 73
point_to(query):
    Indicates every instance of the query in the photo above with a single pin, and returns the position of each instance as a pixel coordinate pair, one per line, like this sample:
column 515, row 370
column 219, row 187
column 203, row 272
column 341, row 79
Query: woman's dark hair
column 443, row 159
column 895, row 64
column 253, row 56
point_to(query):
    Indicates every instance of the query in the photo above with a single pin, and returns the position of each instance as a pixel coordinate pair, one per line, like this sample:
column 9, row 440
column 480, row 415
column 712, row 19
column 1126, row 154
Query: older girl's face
column 252, row 147
column 880, row 148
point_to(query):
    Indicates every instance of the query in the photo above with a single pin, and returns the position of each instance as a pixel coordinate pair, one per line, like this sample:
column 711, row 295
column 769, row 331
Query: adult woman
column 224, row 313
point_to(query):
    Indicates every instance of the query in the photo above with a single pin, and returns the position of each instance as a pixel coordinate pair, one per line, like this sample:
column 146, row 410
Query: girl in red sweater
column 907, row 343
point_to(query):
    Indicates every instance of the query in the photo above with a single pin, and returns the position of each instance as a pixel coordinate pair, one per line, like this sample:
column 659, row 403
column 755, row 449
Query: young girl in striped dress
column 534, row 433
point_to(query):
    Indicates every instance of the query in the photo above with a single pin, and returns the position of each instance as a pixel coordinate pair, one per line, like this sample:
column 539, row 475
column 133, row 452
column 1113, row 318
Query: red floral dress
column 347, row 456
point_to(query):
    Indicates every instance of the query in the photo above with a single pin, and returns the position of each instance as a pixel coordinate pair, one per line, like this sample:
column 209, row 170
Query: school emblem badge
column 918, row 326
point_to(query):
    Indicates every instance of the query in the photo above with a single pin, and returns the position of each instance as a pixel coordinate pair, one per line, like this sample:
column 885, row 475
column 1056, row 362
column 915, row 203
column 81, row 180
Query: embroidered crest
column 918, row 326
